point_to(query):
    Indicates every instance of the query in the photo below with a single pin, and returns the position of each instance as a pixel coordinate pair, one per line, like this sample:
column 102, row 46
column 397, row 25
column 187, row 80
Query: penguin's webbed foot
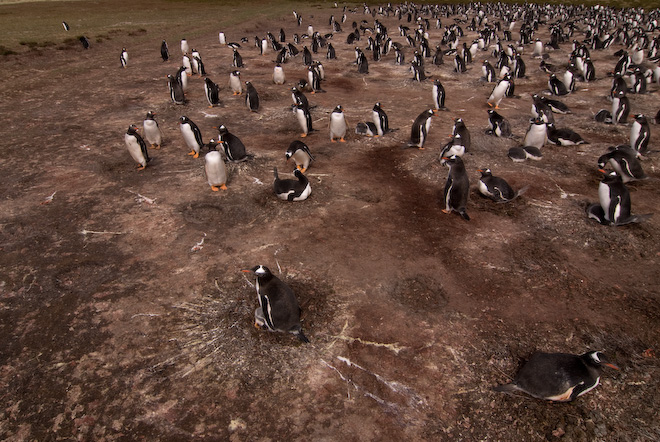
column 303, row 135
column 446, row 211
column 196, row 155
column 223, row 186
column 191, row 153
column 332, row 140
column 215, row 188
column 141, row 167
column 342, row 140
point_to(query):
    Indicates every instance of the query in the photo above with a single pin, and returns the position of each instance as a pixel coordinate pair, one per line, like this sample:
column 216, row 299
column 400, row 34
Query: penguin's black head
column 212, row 145
column 597, row 359
column 611, row 177
column 132, row 129
column 338, row 108
column 602, row 160
column 183, row 119
column 150, row 115
column 222, row 130
column 640, row 118
column 260, row 271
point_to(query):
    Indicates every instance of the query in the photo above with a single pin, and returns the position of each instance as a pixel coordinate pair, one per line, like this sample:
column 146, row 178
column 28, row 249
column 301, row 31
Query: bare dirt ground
column 113, row 328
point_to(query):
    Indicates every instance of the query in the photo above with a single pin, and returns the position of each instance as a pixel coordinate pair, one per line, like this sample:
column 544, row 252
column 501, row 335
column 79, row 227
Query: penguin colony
column 507, row 39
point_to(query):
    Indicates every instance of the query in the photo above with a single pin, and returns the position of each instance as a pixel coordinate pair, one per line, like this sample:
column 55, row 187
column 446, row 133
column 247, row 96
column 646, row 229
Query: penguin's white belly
column 604, row 199
column 376, row 119
column 216, row 173
column 184, row 81
column 536, row 136
column 303, row 196
column 189, row 138
column 615, row 107
column 134, row 149
column 300, row 115
column 235, row 84
column 152, row 132
column 301, row 159
column 435, row 97
column 498, row 92
column 278, row 76
column 483, row 189
column 456, row 149
column 337, row 125
column 634, row 133
column 221, row 38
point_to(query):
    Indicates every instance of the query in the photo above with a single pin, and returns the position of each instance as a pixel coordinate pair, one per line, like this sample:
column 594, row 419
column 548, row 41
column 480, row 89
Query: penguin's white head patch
column 260, row 270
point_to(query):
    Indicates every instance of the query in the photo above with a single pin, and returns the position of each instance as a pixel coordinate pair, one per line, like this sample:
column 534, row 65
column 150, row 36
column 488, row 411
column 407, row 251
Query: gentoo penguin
column 457, row 187
column 367, row 128
column 278, row 307
column 185, row 61
column 299, row 97
column 379, row 117
column 496, row 188
column 589, row 73
column 251, row 97
column 313, row 79
column 292, row 190
column 222, row 39
column 191, row 135
column 556, row 106
column 307, row 56
column 418, row 72
column 151, row 130
column 623, row 160
column 488, row 71
column 537, row 52
column 136, row 147
column 558, row 377
column 569, row 78
column 123, row 57
column 614, row 203
column 557, row 87
column 278, row 74
column 362, row 63
column 620, row 108
column 461, row 129
column 519, row 68
column 214, row 165
column 498, row 125
column 232, row 146
column 537, row 134
column 194, row 61
column 541, row 109
column 499, row 92
column 84, row 41
column 563, row 136
column 331, row 53
column 304, row 118
column 182, row 78
column 640, row 133
column 164, row 51
column 338, row 125
column 184, row 46
column 455, row 146
column 235, row 83
column 301, row 155
column 438, row 95
column 420, row 128
column 176, row 91
column 459, row 64
column 66, row 26
column 522, row 153
column 237, row 60
column 212, row 92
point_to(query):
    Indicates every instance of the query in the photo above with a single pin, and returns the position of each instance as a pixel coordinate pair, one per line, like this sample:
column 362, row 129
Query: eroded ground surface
column 112, row 327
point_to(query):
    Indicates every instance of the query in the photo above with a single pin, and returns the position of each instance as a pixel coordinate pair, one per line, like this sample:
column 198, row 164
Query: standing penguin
column 331, row 54
column 496, row 188
column 558, row 377
column 498, row 125
column 233, row 147
column 301, row 155
column 235, row 83
column 620, row 107
column 362, row 63
column 314, row 79
column 185, row 48
column 191, row 135
column 292, row 190
column 214, row 166
column 380, row 119
column 299, row 97
column 164, row 51
column 461, row 129
column 499, row 92
column 251, row 97
column 136, row 147
column 123, row 57
column 438, row 93
column 537, row 134
column 457, row 187
column 640, row 133
column 420, row 128
column 338, row 125
column 304, row 118
column 176, row 91
column 212, row 92
column 614, row 203
column 151, row 130
column 185, row 62
column 237, row 60
column 182, row 77
column 278, row 74
column 278, row 307
column 488, row 71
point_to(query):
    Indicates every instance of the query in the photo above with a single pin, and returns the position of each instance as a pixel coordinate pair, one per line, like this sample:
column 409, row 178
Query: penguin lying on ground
column 558, row 377
column 623, row 160
column 563, row 136
column 498, row 125
column 278, row 307
column 292, row 190
column 497, row 188
column 522, row 153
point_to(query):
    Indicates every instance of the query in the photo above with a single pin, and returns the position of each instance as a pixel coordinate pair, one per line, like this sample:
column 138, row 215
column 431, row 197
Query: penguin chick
column 457, row 187
column 497, row 188
column 292, row 190
column 278, row 307
column 558, row 377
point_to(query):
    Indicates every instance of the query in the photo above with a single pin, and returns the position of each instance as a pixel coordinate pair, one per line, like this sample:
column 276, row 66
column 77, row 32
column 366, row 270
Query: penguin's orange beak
column 602, row 170
column 246, row 271
column 611, row 365
column 445, row 158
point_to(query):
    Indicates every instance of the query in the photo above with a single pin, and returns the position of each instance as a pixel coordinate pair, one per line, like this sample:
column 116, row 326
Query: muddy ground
column 115, row 327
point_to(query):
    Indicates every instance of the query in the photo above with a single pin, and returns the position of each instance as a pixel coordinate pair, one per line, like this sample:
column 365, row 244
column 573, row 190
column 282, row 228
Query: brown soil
column 113, row 328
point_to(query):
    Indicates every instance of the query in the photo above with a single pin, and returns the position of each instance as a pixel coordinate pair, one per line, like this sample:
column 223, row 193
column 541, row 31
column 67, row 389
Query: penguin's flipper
column 633, row 219
column 507, row 388
column 300, row 335
column 463, row 212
